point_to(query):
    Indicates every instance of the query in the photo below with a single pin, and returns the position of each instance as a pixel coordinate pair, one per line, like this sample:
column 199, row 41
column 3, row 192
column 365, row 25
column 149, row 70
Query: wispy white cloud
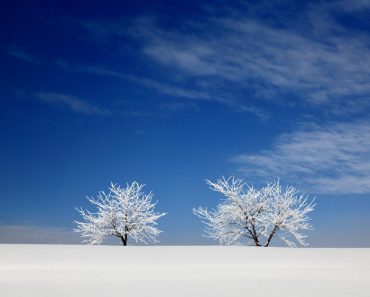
column 322, row 65
column 299, row 57
column 168, row 89
column 329, row 159
column 37, row 234
column 350, row 5
column 20, row 54
column 165, row 88
column 73, row 103
column 259, row 112
column 175, row 106
column 162, row 87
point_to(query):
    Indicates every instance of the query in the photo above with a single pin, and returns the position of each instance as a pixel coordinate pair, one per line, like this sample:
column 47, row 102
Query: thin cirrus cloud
column 331, row 159
column 21, row 54
column 162, row 87
column 175, row 106
column 37, row 234
column 165, row 88
column 310, row 60
column 324, row 65
column 353, row 4
column 70, row 102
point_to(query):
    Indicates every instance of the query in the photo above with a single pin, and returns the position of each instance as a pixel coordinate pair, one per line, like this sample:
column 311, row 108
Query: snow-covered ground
column 61, row 270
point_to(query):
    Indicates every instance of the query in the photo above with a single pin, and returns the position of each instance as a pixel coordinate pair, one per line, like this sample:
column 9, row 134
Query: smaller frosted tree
column 256, row 214
column 124, row 212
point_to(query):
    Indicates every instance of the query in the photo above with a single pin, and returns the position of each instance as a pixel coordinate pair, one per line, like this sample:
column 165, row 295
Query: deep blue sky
column 175, row 92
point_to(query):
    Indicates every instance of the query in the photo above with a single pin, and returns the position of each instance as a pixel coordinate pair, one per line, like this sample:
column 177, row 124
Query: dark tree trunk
column 255, row 236
column 270, row 236
column 256, row 241
column 124, row 239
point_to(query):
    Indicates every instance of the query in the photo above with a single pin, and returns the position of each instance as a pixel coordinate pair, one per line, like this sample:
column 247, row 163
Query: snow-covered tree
column 256, row 214
column 122, row 212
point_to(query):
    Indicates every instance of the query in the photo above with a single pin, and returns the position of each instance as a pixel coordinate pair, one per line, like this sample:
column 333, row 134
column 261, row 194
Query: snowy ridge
column 62, row 270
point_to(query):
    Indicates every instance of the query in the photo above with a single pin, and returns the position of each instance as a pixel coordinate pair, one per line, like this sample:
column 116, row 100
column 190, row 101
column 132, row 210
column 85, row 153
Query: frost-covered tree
column 256, row 214
column 122, row 212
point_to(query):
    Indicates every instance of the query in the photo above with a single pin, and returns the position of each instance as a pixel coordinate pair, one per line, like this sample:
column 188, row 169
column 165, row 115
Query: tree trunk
column 270, row 236
column 256, row 241
column 255, row 236
column 124, row 239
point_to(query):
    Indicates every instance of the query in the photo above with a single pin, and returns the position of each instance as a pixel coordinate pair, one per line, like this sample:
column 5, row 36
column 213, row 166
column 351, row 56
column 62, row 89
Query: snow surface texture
column 61, row 270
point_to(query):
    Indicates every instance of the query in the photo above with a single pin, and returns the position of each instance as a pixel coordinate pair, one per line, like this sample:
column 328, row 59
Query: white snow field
column 62, row 270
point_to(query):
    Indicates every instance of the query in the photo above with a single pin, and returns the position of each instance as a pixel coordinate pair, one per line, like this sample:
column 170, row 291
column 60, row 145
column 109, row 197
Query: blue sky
column 175, row 92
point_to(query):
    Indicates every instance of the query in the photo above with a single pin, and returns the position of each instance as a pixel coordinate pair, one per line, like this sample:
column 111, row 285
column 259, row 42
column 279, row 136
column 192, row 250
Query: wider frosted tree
column 256, row 214
column 124, row 212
